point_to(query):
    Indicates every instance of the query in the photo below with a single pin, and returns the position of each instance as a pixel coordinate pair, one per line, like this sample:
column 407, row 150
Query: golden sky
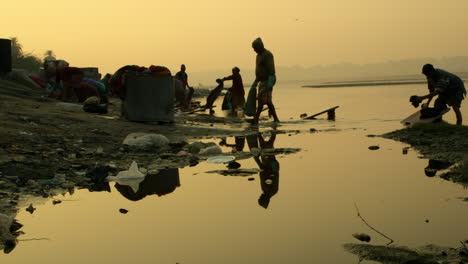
column 213, row 34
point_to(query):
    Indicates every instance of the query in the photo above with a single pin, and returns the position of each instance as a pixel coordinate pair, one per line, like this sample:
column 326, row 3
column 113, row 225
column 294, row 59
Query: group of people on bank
column 448, row 87
column 265, row 79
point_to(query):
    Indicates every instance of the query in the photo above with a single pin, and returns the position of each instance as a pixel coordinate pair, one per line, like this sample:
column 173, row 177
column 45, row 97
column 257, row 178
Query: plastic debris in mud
column 362, row 237
column 233, row 165
column 146, row 141
column 131, row 177
column 405, row 150
column 220, row 159
column 30, row 209
column 212, row 150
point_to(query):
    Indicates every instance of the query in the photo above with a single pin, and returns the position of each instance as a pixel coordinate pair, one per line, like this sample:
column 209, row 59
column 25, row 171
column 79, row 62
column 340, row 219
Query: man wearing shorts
column 449, row 88
column 265, row 78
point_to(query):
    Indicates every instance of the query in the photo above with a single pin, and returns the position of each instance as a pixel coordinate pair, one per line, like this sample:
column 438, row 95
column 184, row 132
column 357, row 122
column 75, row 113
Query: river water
column 211, row 218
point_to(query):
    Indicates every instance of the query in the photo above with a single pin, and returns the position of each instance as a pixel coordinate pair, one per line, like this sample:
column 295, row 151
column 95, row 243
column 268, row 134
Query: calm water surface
column 210, row 218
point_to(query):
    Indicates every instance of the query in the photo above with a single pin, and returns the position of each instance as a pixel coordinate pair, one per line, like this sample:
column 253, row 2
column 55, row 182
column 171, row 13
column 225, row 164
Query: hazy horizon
column 207, row 34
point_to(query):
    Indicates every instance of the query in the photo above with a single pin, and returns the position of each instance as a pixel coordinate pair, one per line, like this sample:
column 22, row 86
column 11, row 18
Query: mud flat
column 445, row 145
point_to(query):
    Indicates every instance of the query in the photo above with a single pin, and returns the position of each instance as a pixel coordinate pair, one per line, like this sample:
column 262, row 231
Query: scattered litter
column 146, row 141
column 131, row 177
column 196, row 147
column 193, row 162
column 220, row 159
column 374, row 147
column 31, row 209
column 233, row 165
column 182, row 153
column 123, row 211
column 251, row 179
column 108, row 117
column 99, row 150
column 25, row 133
column 54, row 202
column 405, row 150
column 362, row 237
column 236, row 172
column 213, row 150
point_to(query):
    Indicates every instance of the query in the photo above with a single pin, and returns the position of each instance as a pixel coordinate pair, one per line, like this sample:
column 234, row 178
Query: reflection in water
column 269, row 166
column 435, row 165
column 165, row 182
column 8, row 233
column 98, row 176
column 238, row 146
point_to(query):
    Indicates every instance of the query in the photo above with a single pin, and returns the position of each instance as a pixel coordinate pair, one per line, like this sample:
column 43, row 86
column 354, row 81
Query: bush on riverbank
column 21, row 59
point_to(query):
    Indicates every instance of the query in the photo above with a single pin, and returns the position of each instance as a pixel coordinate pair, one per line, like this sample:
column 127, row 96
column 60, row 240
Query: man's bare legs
column 257, row 114
column 259, row 111
column 273, row 111
column 458, row 114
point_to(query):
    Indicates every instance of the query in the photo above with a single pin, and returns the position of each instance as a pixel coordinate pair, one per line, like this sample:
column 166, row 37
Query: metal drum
column 149, row 98
column 5, row 55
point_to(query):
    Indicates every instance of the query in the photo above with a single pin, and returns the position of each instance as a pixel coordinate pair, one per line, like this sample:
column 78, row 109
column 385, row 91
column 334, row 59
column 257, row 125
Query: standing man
column 265, row 79
column 449, row 88
column 183, row 77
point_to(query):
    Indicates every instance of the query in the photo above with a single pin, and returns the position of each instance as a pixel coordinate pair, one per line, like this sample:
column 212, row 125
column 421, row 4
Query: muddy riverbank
column 48, row 147
column 445, row 145
column 446, row 148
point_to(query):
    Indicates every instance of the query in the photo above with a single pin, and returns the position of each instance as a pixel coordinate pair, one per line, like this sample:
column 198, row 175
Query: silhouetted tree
column 24, row 60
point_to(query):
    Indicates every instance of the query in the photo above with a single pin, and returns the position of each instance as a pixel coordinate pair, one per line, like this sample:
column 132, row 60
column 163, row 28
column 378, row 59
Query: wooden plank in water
column 323, row 112
column 416, row 118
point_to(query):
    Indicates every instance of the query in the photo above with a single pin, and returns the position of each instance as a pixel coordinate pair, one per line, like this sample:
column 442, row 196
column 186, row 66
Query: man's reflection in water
column 269, row 166
column 165, row 182
column 238, row 146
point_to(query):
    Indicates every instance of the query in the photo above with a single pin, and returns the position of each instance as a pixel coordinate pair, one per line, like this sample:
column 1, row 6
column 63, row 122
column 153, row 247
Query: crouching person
column 448, row 87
